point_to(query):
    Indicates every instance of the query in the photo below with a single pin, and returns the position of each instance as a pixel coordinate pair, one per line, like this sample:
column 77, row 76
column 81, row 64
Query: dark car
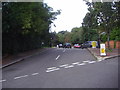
column 67, row 45
column 86, row 45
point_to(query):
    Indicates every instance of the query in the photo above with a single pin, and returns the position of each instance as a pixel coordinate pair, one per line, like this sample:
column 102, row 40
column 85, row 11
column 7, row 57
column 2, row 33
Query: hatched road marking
column 75, row 63
column 69, row 66
column 52, row 70
column 63, row 65
column 81, row 64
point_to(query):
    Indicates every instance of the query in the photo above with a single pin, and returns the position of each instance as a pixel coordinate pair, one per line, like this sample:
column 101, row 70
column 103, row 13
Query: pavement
column 96, row 53
column 12, row 59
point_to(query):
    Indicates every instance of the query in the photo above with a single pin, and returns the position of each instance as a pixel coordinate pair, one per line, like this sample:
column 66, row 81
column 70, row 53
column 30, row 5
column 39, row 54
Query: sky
column 72, row 13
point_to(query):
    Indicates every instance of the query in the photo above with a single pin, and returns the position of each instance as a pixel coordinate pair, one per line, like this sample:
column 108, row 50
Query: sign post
column 102, row 50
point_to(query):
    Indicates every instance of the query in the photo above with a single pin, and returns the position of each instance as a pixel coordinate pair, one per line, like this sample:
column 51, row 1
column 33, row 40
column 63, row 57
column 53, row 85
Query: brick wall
column 118, row 44
column 113, row 44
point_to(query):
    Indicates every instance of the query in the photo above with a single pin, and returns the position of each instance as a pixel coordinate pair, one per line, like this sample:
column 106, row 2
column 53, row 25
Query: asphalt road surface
column 62, row 68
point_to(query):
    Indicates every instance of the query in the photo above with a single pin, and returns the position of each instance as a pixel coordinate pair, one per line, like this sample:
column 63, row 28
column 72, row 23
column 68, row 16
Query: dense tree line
column 25, row 26
column 75, row 36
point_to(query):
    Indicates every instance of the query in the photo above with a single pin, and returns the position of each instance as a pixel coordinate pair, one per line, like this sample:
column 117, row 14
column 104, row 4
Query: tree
column 101, row 17
column 26, row 25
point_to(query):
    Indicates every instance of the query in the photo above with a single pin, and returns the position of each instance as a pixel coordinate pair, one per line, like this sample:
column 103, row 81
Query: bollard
column 102, row 50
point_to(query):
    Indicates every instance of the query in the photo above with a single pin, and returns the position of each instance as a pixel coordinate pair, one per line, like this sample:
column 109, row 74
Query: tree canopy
column 25, row 25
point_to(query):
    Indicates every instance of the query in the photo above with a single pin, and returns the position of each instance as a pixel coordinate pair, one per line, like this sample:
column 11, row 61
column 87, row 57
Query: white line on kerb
column 35, row 73
column 57, row 57
column 2, row 81
column 20, row 77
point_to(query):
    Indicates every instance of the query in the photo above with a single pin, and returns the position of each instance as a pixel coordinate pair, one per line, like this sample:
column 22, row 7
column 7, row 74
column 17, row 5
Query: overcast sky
column 72, row 13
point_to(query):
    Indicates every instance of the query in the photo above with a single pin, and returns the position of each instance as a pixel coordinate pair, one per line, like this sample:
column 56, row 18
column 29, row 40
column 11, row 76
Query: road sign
column 102, row 50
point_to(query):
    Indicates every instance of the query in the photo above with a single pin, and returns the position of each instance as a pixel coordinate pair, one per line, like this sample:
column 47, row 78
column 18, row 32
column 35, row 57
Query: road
column 62, row 68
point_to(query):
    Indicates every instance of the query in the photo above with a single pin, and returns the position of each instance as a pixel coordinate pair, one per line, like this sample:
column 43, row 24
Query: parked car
column 77, row 46
column 86, row 45
column 60, row 45
column 67, row 45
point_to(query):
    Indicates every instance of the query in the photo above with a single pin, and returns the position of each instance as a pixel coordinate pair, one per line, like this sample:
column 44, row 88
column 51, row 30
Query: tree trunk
column 108, row 39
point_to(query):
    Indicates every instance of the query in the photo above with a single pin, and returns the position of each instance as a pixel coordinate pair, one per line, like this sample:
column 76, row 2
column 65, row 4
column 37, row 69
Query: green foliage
column 75, row 36
column 26, row 25
column 115, row 34
column 102, row 17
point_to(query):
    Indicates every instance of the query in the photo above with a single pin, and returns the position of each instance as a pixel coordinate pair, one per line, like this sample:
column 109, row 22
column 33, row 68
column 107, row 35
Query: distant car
column 67, row 45
column 77, row 46
column 60, row 46
column 86, row 45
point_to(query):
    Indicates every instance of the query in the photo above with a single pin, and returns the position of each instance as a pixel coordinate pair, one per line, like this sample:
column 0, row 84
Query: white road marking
column 75, row 63
column 2, row 81
column 92, row 62
column 81, row 64
column 57, row 57
column 35, row 73
column 20, row 77
column 52, row 70
column 69, row 66
column 86, row 61
column 63, row 65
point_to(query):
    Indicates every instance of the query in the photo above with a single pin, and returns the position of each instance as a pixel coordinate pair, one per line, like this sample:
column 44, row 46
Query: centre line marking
column 35, row 73
column 2, row 81
column 20, row 77
column 57, row 57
